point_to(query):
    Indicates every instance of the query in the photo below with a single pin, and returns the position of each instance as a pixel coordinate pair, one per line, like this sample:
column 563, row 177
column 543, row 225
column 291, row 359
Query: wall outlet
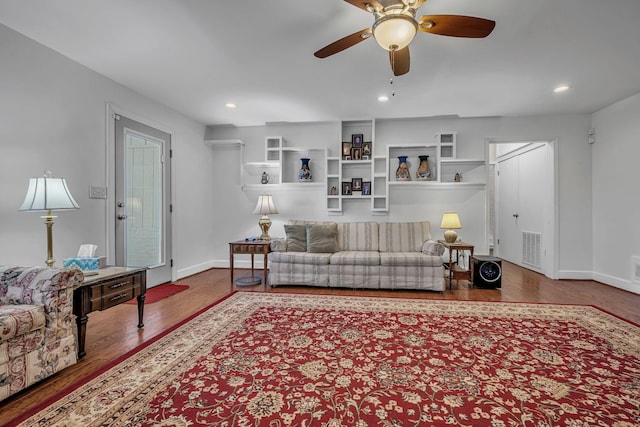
column 96, row 192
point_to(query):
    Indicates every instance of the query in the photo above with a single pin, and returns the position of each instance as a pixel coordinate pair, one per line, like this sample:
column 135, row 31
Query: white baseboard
column 239, row 263
column 617, row 282
column 575, row 275
column 190, row 271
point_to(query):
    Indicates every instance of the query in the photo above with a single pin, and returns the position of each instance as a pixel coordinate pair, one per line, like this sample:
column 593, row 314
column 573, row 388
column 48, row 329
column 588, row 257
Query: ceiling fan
column 395, row 26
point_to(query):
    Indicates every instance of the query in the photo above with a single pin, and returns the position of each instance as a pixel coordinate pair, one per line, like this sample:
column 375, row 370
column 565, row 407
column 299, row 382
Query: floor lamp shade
column 48, row 194
column 265, row 207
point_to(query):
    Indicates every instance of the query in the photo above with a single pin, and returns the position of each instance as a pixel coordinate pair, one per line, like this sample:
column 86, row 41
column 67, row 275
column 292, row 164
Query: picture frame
column 366, row 149
column 346, row 150
column 365, row 157
column 356, row 140
column 366, row 188
column 356, row 153
column 356, row 184
column 346, row 189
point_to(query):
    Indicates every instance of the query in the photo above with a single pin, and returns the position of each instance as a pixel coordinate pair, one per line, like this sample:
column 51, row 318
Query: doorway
column 525, row 204
column 142, row 200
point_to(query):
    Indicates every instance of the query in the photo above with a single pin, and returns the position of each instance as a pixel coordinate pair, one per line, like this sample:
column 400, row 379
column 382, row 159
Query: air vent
column 531, row 248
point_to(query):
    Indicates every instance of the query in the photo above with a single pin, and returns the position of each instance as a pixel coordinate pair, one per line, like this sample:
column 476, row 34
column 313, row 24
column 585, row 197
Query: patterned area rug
column 266, row 359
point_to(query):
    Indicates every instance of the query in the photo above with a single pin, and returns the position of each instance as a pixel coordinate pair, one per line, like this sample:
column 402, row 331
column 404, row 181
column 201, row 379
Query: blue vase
column 402, row 173
column 305, row 173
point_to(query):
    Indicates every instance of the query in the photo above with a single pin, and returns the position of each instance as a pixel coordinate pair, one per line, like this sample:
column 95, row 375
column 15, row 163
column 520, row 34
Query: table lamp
column 450, row 222
column 48, row 194
column 265, row 207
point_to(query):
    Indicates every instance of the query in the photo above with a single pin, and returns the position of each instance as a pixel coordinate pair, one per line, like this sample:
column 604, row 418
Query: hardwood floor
column 113, row 333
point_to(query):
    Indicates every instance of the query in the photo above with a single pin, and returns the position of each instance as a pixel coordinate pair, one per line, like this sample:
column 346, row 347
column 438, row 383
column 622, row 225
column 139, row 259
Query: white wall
column 53, row 116
column 574, row 180
column 616, row 192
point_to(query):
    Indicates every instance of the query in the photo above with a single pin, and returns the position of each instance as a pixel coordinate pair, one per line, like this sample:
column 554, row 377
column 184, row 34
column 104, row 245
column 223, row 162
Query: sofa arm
column 35, row 285
column 430, row 247
column 278, row 244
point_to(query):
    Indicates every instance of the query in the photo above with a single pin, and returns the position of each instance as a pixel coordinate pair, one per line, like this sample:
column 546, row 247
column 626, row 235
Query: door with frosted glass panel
column 143, row 199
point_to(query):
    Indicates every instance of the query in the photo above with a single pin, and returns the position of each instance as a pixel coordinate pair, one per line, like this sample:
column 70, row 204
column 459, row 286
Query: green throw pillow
column 296, row 238
column 322, row 238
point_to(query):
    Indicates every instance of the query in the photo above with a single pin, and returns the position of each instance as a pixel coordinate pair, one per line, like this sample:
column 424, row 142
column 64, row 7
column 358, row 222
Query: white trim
column 575, row 275
column 617, row 282
column 195, row 269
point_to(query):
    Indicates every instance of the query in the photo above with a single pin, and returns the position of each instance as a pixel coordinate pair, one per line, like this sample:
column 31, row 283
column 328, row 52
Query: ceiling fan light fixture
column 395, row 32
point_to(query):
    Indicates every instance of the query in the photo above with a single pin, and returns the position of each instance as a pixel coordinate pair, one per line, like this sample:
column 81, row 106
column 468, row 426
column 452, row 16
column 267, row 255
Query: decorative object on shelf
column 333, row 191
column 366, row 188
column 356, row 184
column 265, row 207
column 366, row 149
column 305, row 173
column 457, row 177
column 48, row 194
column 346, row 188
column 356, row 154
column 450, row 222
column 265, row 178
column 356, row 140
column 346, row 151
column 402, row 173
column 424, row 172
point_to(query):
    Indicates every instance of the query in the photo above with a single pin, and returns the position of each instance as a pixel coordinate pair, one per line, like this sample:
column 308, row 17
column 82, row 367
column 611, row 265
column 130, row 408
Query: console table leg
column 141, row 299
column 81, row 322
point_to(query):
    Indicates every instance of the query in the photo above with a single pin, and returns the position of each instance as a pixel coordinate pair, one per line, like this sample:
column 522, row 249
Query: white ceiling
column 197, row 55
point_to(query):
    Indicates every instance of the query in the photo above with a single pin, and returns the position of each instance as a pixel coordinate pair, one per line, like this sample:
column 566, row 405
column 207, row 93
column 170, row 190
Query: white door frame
column 110, row 178
column 551, row 219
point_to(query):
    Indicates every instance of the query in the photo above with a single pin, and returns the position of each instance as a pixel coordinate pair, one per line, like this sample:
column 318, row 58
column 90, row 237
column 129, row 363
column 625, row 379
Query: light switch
column 96, row 192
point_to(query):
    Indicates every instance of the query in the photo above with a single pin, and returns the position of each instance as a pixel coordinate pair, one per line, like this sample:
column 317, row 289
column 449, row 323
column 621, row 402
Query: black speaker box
column 487, row 271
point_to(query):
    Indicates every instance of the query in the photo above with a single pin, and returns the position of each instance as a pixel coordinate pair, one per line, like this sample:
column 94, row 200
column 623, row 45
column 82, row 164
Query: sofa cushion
column 19, row 319
column 403, row 236
column 296, row 238
column 355, row 258
column 358, row 236
column 409, row 259
column 300, row 258
column 322, row 238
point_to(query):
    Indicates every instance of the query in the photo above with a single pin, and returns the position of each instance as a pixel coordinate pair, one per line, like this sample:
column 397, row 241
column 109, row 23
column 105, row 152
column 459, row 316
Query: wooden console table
column 251, row 247
column 110, row 287
column 455, row 271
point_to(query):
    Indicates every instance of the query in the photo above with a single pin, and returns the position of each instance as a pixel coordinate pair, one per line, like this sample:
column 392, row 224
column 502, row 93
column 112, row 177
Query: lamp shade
column 48, row 193
column 265, row 206
column 450, row 221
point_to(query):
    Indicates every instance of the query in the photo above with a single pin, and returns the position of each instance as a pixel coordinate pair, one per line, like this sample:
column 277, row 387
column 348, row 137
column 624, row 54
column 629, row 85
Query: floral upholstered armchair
column 37, row 336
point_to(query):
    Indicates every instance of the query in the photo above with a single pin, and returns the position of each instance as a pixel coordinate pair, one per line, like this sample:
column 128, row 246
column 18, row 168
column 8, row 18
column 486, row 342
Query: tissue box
column 86, row 263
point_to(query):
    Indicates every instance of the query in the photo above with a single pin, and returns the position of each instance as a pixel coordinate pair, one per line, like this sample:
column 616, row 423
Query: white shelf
column 223, row 142
column 263, row 164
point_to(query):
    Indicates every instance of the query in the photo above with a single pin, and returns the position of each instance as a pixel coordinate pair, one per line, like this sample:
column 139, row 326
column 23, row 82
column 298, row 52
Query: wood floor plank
column 112, row 333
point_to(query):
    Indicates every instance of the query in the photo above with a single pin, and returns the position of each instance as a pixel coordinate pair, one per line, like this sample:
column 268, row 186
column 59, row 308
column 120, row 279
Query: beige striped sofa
column 387, row 255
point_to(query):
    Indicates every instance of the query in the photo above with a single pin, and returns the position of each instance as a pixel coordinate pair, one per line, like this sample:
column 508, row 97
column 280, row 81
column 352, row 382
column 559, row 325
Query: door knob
column 122, row 217
column 516, row 215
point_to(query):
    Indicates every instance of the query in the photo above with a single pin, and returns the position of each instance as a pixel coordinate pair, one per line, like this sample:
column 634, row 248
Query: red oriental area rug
column 159, row 292
column 267, row 359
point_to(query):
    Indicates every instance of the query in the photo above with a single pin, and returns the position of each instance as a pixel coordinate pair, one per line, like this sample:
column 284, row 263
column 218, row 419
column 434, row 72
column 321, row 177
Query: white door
column 143, row 199
column 525, row 206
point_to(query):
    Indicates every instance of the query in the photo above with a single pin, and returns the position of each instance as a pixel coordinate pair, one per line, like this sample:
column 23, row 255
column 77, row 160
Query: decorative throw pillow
column 322, row 238
column 430, row 247
column 296, row 238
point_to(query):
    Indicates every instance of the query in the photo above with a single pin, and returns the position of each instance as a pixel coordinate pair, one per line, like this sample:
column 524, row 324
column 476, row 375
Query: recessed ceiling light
column 383, row 98
column 561, row 88
column 230, row 105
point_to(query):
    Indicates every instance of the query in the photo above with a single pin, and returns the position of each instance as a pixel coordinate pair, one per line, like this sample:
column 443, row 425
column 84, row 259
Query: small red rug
column 159, row 292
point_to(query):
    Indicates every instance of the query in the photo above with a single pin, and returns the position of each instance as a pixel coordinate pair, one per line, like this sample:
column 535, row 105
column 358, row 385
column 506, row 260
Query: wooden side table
column 250, row 247
column 110, row 287
column 455, row 271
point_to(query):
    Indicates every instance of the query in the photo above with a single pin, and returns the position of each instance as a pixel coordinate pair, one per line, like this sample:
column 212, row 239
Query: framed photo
column 346, row 150
column 366, row 148
column 356, row 140
column 346, row 188
column 356, row 153
column 356, row 184
column 366, row 188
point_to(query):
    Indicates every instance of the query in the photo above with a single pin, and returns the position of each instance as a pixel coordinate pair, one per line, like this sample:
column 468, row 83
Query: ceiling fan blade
column 417, row 3
column 343, row 43
column 363, row 4
column 456, row 26
column 399, row 61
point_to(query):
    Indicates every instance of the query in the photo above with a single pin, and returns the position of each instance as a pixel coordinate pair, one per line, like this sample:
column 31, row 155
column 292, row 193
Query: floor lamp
column 48, row 194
